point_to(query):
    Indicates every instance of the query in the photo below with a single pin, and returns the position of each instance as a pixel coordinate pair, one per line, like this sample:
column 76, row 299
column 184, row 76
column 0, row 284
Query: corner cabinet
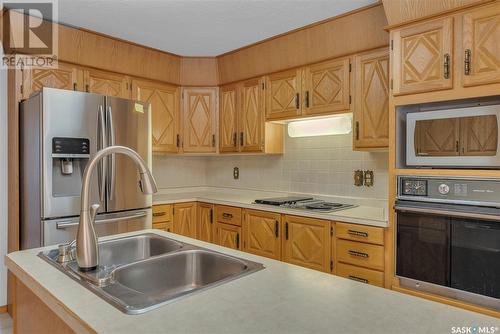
column 199, row 119
column 165, row 118
column 371, row 100
column 423, row 56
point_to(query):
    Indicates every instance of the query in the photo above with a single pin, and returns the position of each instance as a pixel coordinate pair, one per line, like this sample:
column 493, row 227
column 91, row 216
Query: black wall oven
column 448, row 245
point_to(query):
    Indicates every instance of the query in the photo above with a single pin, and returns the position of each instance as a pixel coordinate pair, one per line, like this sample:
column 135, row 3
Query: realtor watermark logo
column 29, row 33
column 474, row 330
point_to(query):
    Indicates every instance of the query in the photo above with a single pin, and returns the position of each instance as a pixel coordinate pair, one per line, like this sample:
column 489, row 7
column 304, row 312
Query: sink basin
column 126, row 250
column 142, row 272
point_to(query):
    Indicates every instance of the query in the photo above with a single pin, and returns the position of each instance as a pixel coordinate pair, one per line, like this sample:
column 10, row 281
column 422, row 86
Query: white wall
column 320, row 165
column 3, row 183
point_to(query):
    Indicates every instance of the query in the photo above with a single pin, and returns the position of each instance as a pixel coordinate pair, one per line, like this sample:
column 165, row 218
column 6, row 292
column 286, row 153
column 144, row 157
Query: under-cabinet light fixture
column 334, row 125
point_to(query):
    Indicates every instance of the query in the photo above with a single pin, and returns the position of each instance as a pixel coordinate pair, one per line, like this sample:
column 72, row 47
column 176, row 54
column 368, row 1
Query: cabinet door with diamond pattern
column 199, row 119
column 65, row 76
column 307, row 242
column 261, row 233
column 106, row 83
column 371, row 100
column 326, row 87
column 228, row 120
column 283, row 95
column 251, row 116
column 228, row 235
column 185, row 219
column 481, row 38
column 164, row 100
column 423, row 56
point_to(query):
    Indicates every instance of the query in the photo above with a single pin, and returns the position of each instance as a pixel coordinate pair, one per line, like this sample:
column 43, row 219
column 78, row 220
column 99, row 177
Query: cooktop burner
column 305, row 203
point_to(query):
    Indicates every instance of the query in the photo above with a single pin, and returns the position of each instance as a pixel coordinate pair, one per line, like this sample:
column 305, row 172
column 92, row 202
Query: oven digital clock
column 414, row 187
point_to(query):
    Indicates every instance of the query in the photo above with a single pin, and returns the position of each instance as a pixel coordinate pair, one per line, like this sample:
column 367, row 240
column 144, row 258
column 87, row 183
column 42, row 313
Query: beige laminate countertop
column 282, row 298
column 368, row 212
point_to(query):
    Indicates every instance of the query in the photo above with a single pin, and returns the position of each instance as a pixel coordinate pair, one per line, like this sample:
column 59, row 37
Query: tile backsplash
column 320, row 165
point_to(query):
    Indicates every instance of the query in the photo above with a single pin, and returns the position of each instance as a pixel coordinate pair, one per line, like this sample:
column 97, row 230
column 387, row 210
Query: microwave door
column 69, row 117
column 127, row 124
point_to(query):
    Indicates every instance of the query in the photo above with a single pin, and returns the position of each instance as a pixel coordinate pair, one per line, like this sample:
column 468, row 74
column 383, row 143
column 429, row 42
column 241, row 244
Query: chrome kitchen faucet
column 87, row 251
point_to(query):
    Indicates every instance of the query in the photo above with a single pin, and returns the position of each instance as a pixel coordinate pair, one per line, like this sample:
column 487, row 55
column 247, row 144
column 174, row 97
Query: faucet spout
column 87, row 251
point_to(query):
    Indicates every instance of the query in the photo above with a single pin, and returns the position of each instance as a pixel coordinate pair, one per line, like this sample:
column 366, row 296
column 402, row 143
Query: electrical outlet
column 368, row 176
column 358, row 178
column 236, row 173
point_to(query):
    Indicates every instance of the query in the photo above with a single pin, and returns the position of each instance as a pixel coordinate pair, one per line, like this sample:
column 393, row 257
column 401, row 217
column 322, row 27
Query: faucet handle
column 93, row 211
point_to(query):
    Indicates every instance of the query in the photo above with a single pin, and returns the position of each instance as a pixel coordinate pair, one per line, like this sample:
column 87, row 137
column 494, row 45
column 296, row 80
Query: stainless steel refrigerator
column 60, row 131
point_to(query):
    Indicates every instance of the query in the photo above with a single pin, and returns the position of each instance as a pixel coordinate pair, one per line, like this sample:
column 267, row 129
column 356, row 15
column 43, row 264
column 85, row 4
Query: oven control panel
column 472, row 191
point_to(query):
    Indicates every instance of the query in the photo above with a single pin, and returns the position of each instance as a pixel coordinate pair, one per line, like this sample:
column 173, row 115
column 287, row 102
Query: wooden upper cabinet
column 228, row 119
column 481, row 36
column 371, row 100
column 479, row 135
column 437, row 137
column 205, row 227
column 106, row 83
column 423, row 56
column 307, row 242
column 261, row 233
column 283, row 94
column 185, row 219
column 66, row 76
column 165, row 118
column 199, row 119
column 251, row 116
column 326, row 87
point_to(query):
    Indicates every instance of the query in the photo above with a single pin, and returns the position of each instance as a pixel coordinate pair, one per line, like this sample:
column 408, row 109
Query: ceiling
column 199, row 27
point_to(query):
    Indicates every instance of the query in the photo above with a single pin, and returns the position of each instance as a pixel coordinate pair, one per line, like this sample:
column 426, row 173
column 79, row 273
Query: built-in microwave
column 454, row 138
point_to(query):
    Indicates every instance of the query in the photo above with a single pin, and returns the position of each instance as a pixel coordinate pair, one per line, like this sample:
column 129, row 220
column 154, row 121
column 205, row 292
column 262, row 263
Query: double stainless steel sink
column 142, row 272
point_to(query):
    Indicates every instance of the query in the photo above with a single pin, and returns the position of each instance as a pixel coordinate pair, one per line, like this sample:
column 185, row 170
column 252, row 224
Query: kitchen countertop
column 368, row 212
column 282, row 298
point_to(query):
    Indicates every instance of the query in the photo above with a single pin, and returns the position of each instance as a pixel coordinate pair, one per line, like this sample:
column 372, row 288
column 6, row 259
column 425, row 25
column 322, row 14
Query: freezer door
column 58, row 231
column 69, row 114
column 128, row 123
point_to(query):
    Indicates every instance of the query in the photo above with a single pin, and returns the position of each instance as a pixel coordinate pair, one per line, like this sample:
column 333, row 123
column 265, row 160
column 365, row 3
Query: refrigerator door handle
column 112, row 158
column 101, row 143
column 72, row 223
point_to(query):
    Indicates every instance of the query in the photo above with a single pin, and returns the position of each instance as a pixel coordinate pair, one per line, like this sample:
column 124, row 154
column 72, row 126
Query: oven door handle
column 457, row 214
column 73, row 223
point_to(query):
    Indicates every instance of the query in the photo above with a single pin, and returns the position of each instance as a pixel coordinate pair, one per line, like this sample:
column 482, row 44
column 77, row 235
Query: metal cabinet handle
column 235, row 140
column 357, row 130
column 358, row 279
column 72, row 223
column 276, row 228
column 241, row 138
column 306, row 99
column 227, row 215
column 177, row 140
column 159, row 214
column 74, row 85
column 213, row 140
column 297, row 101
column 358, row 233
column 211, row 216
column 237, row 241
column 358, row 254
column 467, row 62
column 87, row 88
column 446, row 65
column 286, row 231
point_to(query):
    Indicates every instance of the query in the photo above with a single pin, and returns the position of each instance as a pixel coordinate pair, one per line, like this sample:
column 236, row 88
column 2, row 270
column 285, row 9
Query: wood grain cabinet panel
column 481, row 36
column 283, row 94
column 360, row 254
column 165, row 118
column 326, row 87
column 251, row 116
column 228, row 118
column 371, row 100
column 106, row 83
column 228, row 235
column 261, row 233
column 228, row 215
column 205, row 227
column 437, row 137
column 162, row 213
column 166, row 226
column 362, row 275
column 423, row 55
column 362, row 233
column 65, row 76
column 199, row 119
column 479, row 135
column 307, row 242
column 185, row 219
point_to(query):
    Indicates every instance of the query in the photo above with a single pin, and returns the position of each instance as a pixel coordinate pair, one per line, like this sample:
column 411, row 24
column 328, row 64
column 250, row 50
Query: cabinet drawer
column 363, row 233
column 166, row 226
column 360, row 254
column 162, row 213
column 228, row 215
column 359, row 274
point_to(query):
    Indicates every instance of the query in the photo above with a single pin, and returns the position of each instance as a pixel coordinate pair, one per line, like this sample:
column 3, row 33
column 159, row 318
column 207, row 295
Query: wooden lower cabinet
column 162, row 217
column 359, row 274
column 228, row 235
column 261, row 233
column 185, row 219
column 166, row 226
column 307, row 242
column 205, row 222
column 360, row 254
